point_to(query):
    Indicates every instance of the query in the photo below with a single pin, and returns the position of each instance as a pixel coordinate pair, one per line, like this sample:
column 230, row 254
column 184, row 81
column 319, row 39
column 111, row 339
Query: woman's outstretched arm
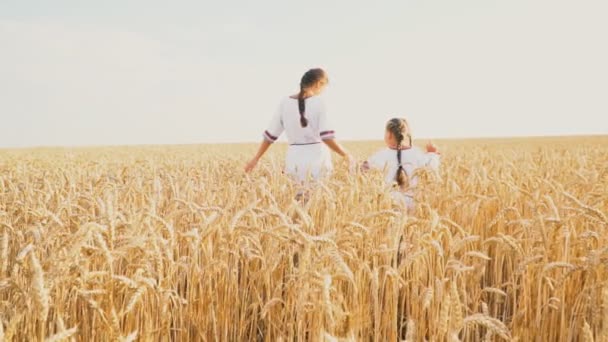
column 261, row 150
column 336, row 147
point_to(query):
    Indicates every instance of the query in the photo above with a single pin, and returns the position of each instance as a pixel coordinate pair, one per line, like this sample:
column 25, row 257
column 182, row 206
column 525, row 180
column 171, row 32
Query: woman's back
column 287, row 118
column 304, row 118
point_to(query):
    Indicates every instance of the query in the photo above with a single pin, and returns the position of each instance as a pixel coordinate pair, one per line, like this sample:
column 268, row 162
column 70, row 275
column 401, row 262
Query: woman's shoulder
column 287, row 102
column 318, row 98
column 289, row 98
column 314, row 98
column 315, row 101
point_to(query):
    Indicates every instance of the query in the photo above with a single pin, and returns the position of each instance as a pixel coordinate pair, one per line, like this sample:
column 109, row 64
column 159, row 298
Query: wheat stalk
column 587, row 333
column 41, row 293
column 492, row 324
column 63, row 335
column 4, row 252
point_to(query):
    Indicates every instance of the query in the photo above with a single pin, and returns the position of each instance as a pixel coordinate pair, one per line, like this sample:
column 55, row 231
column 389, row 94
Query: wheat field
column 509, row 242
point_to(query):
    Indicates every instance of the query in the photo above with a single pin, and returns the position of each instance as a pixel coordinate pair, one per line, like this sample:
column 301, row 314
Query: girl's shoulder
column 384, row 150
column 412, row 154
column 416, row 150
column 382, row 154
column 378, row 159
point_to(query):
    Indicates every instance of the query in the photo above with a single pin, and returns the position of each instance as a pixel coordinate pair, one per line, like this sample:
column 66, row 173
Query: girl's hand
column 251, row 165
column 364, row 166
column 431, row 148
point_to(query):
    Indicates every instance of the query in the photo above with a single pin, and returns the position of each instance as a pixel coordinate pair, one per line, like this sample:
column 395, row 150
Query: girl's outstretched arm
column 431, row 148
column 261, row 150
column 432, row 156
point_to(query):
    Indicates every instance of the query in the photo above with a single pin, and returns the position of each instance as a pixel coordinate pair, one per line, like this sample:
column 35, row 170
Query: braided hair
column 400, row 130
column 311, row 78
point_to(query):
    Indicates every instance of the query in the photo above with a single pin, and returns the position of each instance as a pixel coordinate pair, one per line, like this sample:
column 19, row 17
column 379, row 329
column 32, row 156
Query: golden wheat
column 176, row 243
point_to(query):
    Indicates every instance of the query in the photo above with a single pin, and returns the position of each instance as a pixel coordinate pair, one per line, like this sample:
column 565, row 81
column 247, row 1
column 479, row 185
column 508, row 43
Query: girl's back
column 411, row 159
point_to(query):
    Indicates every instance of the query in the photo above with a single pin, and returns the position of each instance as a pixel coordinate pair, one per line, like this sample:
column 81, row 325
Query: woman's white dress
column 306, row 156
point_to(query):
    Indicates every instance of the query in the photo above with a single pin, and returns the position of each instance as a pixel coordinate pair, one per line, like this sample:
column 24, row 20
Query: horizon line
column 31, row 147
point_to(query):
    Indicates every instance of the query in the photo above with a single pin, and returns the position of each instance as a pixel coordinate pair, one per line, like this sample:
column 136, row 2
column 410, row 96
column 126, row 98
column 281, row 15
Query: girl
column 400, row 160
column 303, row 117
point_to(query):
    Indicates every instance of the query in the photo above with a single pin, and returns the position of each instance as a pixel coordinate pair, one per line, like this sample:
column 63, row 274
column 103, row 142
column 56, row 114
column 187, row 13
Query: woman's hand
column 261, row 150
column 351, row 161
column 431, row 148
column 251, row 165
column 334, row 146
column 348, row 158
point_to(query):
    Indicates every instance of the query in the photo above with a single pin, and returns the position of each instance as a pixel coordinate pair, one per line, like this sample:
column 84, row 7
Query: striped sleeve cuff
column 326, row 135
column 269, row 137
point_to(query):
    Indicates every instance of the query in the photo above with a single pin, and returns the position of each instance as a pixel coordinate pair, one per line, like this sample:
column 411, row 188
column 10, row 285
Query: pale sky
column 173, row 72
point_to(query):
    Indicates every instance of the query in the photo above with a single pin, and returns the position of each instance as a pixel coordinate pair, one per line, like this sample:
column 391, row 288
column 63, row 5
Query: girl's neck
column 402, row 147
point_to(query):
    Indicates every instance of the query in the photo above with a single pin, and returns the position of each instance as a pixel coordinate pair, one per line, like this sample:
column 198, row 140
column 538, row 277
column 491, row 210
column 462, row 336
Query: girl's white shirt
column 287, row 119
column 412, row 159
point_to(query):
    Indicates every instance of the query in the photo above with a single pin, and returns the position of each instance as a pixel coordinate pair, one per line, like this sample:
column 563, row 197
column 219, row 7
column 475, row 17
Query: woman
column 304, row 119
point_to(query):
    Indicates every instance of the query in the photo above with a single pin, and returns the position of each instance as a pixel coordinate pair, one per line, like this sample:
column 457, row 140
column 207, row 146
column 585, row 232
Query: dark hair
column 399, row 129
column 310, row 79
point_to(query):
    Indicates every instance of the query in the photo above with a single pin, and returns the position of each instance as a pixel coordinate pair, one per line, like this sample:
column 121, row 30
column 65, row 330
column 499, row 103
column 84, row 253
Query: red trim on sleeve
column 327, row 135
column 270, row 137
